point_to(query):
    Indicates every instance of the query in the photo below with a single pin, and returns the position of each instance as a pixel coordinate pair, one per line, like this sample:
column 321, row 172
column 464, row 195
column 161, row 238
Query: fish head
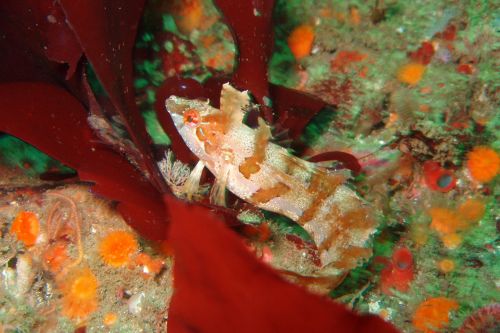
column 193, row 120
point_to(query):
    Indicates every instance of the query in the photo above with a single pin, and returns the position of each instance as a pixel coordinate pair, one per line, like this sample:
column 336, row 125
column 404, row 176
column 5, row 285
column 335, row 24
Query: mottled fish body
column 244, row 161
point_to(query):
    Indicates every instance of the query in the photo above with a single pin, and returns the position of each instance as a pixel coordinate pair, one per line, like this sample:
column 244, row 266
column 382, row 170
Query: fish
column 246, row 161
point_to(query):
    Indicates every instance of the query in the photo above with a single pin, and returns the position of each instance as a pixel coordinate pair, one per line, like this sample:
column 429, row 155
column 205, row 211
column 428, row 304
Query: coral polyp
column 80, row 294
column 117, row 247
column 483, row 164
column 26, row 228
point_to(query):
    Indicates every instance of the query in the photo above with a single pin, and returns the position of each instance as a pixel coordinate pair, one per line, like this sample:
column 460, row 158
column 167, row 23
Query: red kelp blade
column 251, row 24
column 32, row 31
column 221, row 288
column 106, row 31
column 349, row 161
column 55, row 122
column 294, row 109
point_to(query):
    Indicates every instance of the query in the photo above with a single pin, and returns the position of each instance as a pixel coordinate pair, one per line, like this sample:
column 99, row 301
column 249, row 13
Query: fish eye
column 191, row 117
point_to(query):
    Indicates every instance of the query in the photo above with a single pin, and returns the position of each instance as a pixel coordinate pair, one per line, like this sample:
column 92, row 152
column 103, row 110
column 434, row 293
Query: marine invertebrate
column 398, row 272
column 438, row 178
column 300, row 41
column 150, row 267
column 411, row 73
column 188, row 14
column 446, row 265
column 471, row 210
column 110, row 319
column 26, row 228
column 448, row 223
column 433, row 314
column 484, row 320
column 483, row 163
column 79, row 294
column 117, row 247
column 55, row 256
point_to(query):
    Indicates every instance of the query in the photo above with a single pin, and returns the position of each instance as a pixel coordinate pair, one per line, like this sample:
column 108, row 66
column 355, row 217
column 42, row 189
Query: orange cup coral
column 55, row 257
column 411, row 73
column 446, row 221
column 117, row 247
column 301, row 40
column 80, row 295
column 472, row 210
column 26, row 227
column 433, row 314
column 483, row 164
column 188, row 15
column 446, row 265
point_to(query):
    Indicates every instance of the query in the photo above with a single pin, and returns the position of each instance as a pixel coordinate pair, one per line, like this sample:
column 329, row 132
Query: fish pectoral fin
column 192, row 184
column 218, row 192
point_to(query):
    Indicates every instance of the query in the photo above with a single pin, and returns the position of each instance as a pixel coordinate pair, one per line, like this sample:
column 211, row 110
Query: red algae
column 424, row 54
column 343, row 59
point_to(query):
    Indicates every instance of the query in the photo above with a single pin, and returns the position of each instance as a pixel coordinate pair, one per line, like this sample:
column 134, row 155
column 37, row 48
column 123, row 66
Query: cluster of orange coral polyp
column 448, row 222
column 117, row 247
column 26, row 228
column 80, row 295
column 483, row 164
column 433, row 314
column 301, row 40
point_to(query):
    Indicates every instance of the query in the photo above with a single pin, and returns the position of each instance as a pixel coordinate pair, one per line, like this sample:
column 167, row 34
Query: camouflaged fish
column 244, row 161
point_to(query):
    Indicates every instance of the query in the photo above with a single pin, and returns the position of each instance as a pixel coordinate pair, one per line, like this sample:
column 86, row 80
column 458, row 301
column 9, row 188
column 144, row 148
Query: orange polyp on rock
column 110, row 318
column 80, row 294
column 301, row 40
column 445, row 221
column 26, row 228
column 483, row 164
column 446, row 265
column 451, row 241
column 151, row 266
column 472, row 210
column 411, row 73
column 355, row 16
column 117, row 247
column 189, row 14
column 433, row 314
column 55, row 257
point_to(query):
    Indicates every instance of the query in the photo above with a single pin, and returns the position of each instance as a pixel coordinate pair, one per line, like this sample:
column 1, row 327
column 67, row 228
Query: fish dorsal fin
column 233, row 100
